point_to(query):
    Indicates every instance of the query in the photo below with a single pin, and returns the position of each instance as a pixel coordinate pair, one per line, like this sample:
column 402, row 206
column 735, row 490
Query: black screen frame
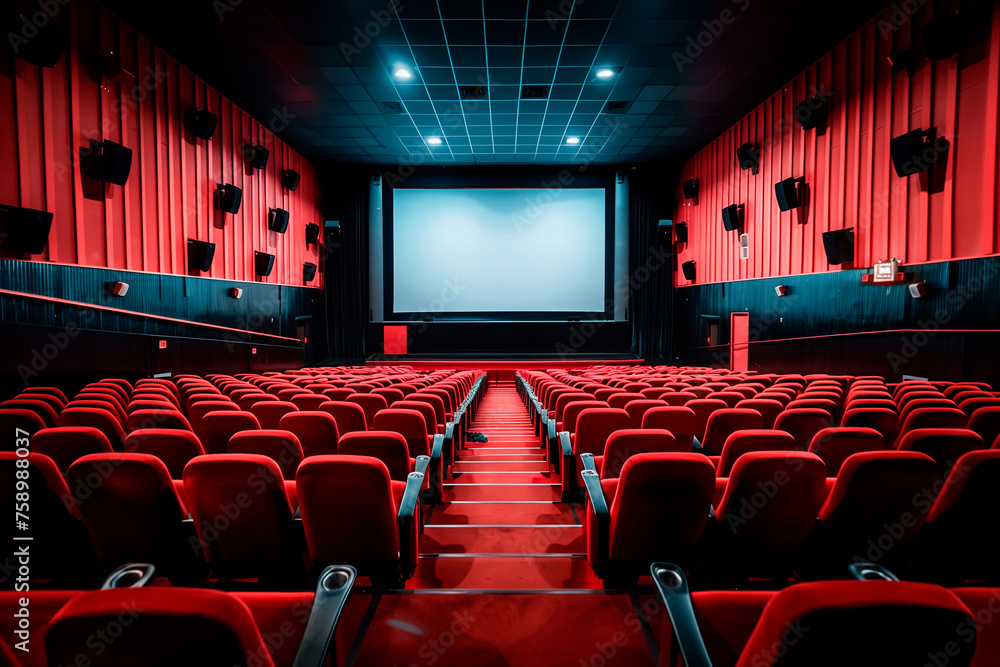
column 554, row 180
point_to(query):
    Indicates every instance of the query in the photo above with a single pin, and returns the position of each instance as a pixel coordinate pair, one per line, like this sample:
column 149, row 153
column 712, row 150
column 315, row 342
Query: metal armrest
column 130, row 575
column 408, row 505
column 334, row 586
column 437, row 447
column 592, row 482
column 565, row 444
column 588, row 461
column 673, row 588
column 870, row 571
column 423, row 461
column 695, row 443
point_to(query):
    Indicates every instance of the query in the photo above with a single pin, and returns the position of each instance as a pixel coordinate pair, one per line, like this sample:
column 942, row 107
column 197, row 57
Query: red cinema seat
column 131, row 510
column 769, row 409
column 982, row 602
column 803, row 424
column 681, row 421
column 751, row 440
column 350, row 417
column 703, row 409
column 930, row 418
column 54, row 522
column 723, row 423
column 146, row 419
column 944, row 445
column 40, row 407
column 958, row 540
column 247, row 400
column 873, row 511
column 619, row 401
column 65, row 444
column 882, row 420
column 835, row 444
column 626, row 443
column 769, row 509
column 282, row 447
column 174, row 447
column 986, row 422
column 859, row 623
column 424, row 408
column 52, row 391
column 218, row 427
column 116, row 410
column 269, row 413
column 389, row 447
column 353, row 513
column 337, row 393
column 637, row 410
column 657, row 509
column 54, row 402
column 309, row 402
column 390, row 394
column 370, row 404
column 316, row 430
column 260, row 535
column 408, row 423
column 102, row 420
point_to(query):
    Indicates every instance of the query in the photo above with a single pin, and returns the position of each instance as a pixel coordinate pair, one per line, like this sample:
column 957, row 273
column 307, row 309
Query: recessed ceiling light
column 605, row 73
column 402, row 72
column 572, row 140
column 434, row 140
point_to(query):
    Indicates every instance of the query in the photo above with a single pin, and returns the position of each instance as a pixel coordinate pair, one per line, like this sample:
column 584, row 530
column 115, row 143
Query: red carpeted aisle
column 503, row 577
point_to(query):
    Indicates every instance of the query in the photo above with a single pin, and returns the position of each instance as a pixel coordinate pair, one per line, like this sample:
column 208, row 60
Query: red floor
column 503, row 576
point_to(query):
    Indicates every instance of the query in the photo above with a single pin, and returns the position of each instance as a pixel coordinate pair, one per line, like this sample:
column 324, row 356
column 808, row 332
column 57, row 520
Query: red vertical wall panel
column 47, row 115
column 847, row 168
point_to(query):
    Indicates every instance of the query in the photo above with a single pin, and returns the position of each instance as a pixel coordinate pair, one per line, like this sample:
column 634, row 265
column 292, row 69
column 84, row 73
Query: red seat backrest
column 349, row 416
column 593, row 428
column 174, row 447
column 283, row 447
column 625, row 443
column 65, row 444
column 316, row 430
column 835, row 444
column 744, row 441
column 218, row 427
column 387, row 446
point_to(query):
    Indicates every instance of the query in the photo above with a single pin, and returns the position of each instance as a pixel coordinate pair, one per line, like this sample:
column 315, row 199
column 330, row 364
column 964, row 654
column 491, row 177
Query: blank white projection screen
column 492, row 250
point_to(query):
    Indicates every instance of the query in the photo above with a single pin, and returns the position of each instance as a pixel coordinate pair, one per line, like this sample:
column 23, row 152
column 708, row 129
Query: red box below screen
column 394, row 341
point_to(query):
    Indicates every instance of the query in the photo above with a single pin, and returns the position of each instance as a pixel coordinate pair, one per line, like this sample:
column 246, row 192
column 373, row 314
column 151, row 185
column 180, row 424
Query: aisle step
column 551, row 538
column 498, row 513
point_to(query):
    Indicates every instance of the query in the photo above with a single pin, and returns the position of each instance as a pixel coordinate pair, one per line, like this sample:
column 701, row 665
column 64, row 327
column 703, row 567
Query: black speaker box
column 811, row 113
column 312, row 233
column 731, row 217
column 913, row 152
column 787, row 193
column 263, row 263
column 839, row 245
column 688, row 269
column 691, row 188
column 277, row 220
column 200, row 255
column 45, row 44
column 24, row 230
column 681, row 230
column 204, row 122
column 748, row 155
column 230, row 197
column 308, row 271
column 290, row 179
column 113, row 163
column 256, row 156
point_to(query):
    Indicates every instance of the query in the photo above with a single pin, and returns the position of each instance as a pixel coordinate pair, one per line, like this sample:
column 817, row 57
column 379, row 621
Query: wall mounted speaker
column 811, row 113
column 229, row 197
column 744, row 246
column 256, row 155
column 681, row 231
column 200, row 255
column 914, row 151
column 331, row 232
column 787, row 193
column 781, row 290
column 204, row 123
column 943, row 37
column 917, row 290
column 277, row 220
column 113, row 163
column 118, row 289
column 312, row 233
column 45, row 44
column 24, row 230
column 839, row 245
column 748, row 155
column 263, row 263
column 308, row 271
column 688, row 269
column 690, row 188
column 236, row 292
column 732, row 217
column 290, row 179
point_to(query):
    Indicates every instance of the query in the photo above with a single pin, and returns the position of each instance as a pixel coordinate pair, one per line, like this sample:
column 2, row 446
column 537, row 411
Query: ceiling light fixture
column 572, row 140
column 402, row 73
column 434, row 140
column 605, row 73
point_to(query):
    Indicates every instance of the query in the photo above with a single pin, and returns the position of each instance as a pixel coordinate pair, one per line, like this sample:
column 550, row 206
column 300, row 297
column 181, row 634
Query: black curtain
column 650, row 280
column 345, row 194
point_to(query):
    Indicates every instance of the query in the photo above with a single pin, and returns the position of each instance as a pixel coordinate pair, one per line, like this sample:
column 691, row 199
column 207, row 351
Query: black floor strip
column 572, row 509
column 363, row 630
column 640, row 613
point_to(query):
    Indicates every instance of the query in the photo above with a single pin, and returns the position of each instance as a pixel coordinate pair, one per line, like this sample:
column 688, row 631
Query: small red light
column 163, row 344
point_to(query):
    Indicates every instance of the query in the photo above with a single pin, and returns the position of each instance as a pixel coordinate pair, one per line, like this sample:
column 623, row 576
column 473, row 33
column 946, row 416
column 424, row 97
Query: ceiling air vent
column 392, row 107
column 615, row 107
column 534, row 92
column 472, row 92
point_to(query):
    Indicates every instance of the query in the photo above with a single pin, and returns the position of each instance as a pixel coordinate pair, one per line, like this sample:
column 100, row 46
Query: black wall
column 832, row 322
column 45, row 341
